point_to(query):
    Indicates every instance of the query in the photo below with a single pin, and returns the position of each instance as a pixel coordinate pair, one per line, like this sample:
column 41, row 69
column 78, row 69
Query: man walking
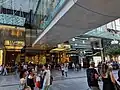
column 92, row 77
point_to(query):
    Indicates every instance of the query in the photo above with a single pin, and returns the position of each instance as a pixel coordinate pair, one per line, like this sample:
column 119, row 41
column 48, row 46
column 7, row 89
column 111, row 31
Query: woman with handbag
column 108, row 78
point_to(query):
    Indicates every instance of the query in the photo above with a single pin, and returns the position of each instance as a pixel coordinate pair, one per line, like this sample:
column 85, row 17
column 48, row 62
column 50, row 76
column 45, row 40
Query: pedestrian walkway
column 71, row 74
column 74, row 81
column 10, row 82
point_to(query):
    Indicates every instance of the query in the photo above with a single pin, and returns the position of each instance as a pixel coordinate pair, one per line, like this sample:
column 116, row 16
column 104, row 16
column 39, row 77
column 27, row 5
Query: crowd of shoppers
column 35, row 76
column 105, row 72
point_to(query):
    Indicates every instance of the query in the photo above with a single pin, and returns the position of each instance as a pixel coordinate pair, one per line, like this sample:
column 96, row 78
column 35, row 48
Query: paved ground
column 74, row 81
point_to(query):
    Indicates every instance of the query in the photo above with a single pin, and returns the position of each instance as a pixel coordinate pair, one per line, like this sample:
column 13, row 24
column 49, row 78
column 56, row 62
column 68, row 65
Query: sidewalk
column 71, row 74
column 9, row 80
column 74, row 81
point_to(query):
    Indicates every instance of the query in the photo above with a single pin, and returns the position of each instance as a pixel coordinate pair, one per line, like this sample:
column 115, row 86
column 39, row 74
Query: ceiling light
column 75, row 44
column 83, row 42
column 73, row 39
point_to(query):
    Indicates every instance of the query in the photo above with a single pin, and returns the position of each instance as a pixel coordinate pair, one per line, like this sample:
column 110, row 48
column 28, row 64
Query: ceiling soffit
column 78, row 20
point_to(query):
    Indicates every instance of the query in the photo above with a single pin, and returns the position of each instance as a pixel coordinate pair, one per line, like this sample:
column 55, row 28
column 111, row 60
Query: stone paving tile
column 71, row 74
column 9, row 80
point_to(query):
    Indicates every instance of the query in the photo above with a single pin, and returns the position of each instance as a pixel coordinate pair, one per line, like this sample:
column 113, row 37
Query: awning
column 59, row 50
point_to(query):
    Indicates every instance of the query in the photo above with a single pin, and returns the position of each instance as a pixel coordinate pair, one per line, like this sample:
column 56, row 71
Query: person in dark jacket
column 92, row 77
column 30, row 79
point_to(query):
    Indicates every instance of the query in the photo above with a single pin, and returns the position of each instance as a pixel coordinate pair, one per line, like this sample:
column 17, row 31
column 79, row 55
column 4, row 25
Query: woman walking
column 30, row 79
column 108, row 78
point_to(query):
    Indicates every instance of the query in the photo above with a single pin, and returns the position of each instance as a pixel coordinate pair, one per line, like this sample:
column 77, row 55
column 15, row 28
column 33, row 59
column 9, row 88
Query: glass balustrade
column 47, row 11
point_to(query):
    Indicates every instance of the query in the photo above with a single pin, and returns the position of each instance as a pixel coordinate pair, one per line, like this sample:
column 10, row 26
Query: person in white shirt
column 47, row 75
column 4, row 71
column 73, row 66
column 36, row 69
column 25, row 66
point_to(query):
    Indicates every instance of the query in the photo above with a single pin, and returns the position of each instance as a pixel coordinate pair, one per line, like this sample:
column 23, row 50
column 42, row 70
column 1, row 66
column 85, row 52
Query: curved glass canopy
column 110, row 31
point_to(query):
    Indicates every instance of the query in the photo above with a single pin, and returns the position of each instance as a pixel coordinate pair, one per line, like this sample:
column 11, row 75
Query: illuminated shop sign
column 64, row 46
column 14, row 43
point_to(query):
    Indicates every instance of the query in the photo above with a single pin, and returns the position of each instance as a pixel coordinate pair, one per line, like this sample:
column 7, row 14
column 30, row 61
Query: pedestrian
column 25, row 66
column 4, row 70
column 66, row 70
column 92, row 77
column 73, row 66
column 108, row 78
column 38, row 80
column 30, row 79
column 77, row 67
column 23, row 79
column 62, row 69
column 16, row 69
column 46, row 77
column 99, row 68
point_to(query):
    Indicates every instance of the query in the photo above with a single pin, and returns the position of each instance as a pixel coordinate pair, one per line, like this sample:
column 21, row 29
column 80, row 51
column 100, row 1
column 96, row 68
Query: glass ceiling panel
column 23, row 5
column 110, row 31
column 12, row 20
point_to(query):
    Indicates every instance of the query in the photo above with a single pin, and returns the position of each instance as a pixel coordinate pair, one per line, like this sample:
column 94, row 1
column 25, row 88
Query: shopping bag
column 38, row 84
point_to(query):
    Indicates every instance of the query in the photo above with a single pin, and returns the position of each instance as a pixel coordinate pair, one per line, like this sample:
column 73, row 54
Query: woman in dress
column 107, row 77
column 30, row 79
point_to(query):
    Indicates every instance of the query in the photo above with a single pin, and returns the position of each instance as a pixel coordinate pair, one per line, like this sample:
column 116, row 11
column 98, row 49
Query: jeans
column 5, row 72
column 62, row 72
column 66, row 74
